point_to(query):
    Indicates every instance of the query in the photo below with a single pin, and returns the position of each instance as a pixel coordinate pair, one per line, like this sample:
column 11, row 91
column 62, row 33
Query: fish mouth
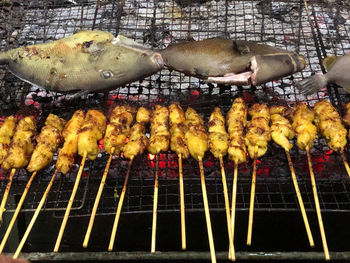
column 158, row 60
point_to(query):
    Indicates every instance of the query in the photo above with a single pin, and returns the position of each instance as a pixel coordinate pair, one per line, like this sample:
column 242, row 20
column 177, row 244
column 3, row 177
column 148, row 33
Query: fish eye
column 106, row 74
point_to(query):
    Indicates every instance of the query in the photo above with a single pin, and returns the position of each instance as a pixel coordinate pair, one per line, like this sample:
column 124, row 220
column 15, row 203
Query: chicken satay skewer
column 197, row 142
column 236, row 120
column 346, row 165
column 346, row 120
column 177, row 144
column 135, row 146
column 281, row 133
column 48, row 142
column 257, row 138
column 307, row 132
column 91, row 132
column 218, row 145
column 7, row 131
column 20, row 148
column 159, row 141
column 117, row 133
column 64, row 162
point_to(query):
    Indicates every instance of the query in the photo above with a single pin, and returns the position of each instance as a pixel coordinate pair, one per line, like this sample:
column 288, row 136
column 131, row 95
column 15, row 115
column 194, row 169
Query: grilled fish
column 231, row 61
column 87, row 61
column 338, row 72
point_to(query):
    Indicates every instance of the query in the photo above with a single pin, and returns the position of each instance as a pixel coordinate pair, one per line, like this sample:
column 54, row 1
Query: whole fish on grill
column 232, row 61
column 87, row 61
column 338, row 72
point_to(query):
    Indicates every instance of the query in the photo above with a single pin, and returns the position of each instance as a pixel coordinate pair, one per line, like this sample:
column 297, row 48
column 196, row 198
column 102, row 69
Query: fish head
column 275, row 66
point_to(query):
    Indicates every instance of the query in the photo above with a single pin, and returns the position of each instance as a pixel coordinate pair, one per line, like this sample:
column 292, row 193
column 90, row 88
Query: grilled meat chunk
column 70, row 133
column 196, row 135
column 346, row 118
column 143, row 115
column 329, row 124
column 92, row 130
column 258, row 131
column 137, row 142
column 218, row 137
column 303, row 126
column 7, row 131
column 160, row 135
column 48, row 142
column 118, row 130
column 236, row 120
column 178, row 130
column 281, row 129
column 21, row 146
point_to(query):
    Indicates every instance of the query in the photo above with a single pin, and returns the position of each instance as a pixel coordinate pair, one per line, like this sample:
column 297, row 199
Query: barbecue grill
column 321, row 31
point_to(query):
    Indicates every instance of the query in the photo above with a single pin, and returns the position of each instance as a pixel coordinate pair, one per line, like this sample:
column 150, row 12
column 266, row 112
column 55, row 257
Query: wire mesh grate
column 155, row 24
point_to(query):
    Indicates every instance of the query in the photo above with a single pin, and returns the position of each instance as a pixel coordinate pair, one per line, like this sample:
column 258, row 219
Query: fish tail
column 4, row 58
column 311, row 84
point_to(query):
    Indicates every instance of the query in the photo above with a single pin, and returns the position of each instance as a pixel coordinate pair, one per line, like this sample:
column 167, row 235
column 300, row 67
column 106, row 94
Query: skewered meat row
column 7, row 130
column 160, row 135
column 236, row 120
column 196, row 135
column 329, row 124
column 21, row 146
column 302, row 124
column 67, row 154
column 177, row 130
column 218, row 137
column 281, row 129
column 92, row 130
column 118, row 130
column 258, row 130
column 48, row 142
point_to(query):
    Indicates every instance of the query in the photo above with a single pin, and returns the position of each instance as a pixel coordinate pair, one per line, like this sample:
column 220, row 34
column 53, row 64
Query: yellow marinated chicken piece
column 21, row 146
column 302, row 125
column 346, row 118
column 329, row 124
column 93, row 129
column 258, row 130
column 160, row 135
column 66, row 156
column 48, row 142
column 177, row 130
column 143, row 115
column 137, row 142
column 218, row 137
column 236, row 120
column 7, row 131
column 196, row 136
column 281, row 129
column 118, row 130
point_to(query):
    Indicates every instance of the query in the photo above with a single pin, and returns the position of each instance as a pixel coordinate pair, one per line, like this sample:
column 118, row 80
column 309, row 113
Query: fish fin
column 80, row 94
column 329, row 62
column 4, row 58
column 311, row 84
column 240, row 48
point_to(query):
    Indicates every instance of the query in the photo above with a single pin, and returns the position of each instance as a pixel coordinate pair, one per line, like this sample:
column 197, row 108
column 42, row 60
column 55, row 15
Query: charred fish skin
column 88, row 61
column 232, row 61
column 338, row 72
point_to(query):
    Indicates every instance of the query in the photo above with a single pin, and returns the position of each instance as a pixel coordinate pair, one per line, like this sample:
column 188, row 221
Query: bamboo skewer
column 6, row 193
column 119, row 208
column 317, row 205
column 234, row 195
column 35, row 216
column 182, row 205
column 207, row 214
column 14, row 217
column 232, row 255
column 155, row 206
column 97, row 201
column 345, row 162
column 70, row 203
column 252, row 199
column 300, row 200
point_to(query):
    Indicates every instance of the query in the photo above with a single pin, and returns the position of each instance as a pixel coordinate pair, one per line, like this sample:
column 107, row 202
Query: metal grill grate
column 156, row 24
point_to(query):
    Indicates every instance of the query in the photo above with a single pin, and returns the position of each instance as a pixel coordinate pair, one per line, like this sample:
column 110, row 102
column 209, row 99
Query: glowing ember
column 151, row 156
